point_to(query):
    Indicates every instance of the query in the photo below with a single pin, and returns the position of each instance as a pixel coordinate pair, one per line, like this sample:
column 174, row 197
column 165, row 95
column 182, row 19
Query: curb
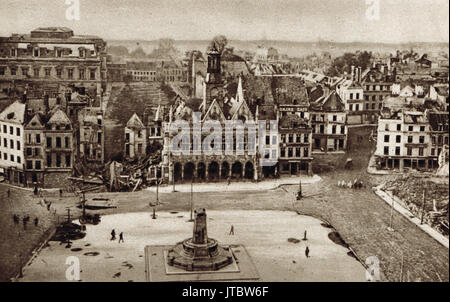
column 399, row 208
column 315, row 179
column 34, row 254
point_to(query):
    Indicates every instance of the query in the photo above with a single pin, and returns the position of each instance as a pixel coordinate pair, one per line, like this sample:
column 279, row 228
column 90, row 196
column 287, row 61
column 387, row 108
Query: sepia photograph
column 231, row 142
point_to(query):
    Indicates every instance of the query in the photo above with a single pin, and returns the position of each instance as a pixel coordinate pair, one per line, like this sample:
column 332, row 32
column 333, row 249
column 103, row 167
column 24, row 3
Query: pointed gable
column 243, row 113
column 35, row 122
column 135, row 122
column 333, row 102
column 214, row 112
column 407, row 91
column 59, row 117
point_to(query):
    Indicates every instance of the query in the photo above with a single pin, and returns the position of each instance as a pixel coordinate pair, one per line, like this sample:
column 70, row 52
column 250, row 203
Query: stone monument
column 199, row 253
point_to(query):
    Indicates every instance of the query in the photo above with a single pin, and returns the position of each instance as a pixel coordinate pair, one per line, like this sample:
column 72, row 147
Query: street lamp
column 191, row 200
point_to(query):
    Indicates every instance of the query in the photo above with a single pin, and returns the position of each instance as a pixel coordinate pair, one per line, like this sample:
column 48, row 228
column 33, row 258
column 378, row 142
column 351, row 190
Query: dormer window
column 13, row 52
column 36, row 52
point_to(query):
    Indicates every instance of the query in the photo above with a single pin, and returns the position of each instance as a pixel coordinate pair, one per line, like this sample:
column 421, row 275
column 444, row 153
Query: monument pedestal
column 198, row 259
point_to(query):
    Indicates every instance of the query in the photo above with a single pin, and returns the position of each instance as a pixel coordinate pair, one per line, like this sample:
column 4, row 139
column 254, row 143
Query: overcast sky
column 296, row 20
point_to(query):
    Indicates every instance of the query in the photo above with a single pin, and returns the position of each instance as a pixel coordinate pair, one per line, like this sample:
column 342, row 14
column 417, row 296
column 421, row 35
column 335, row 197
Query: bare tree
column 219, row 43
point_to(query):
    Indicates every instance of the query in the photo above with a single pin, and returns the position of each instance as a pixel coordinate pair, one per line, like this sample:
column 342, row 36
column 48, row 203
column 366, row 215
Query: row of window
column 409, row 151
column 398, row 127
column 135, row 72
column 12, row 157
column 294, row 152
column 356, row 96
column 333, row 129
column 374, row 97
column 37, row 139
column 29, row 152
column 378, row 87
column 439, row 139
column 37, row 165
column 11, row 130
column 398, row 139
column 11, row 144
column 298, row 138
column 48, row 70
column 58, row 142
column 58, row 52
column 321, row 118
column 58, row 160
column 58, row 163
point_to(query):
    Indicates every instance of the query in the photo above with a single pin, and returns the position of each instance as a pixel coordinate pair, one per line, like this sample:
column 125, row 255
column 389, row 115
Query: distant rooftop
column 49, row 34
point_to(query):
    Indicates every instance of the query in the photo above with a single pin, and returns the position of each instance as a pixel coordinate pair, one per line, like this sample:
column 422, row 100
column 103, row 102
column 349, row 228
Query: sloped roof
column 59, row 117
column 316, row 93
column 14, row 113
column 291, row 91
column 414, row 117
column 437, row 118
column 35, row 122
column 135, row 122
column 331, row 102
column 292, row 121
column 442, row 90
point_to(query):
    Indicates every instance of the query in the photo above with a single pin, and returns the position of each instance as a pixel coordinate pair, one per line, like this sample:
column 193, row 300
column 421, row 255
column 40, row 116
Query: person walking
column 231, row 230
column 113, row 235
column 25, row 220
column 228, row 180
column 121, row 237
column 304, row 236
column 307, row 252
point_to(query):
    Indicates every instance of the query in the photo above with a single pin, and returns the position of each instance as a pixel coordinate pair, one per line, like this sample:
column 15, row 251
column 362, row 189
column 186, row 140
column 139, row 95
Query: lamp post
column 157, row 189
column 191, row 200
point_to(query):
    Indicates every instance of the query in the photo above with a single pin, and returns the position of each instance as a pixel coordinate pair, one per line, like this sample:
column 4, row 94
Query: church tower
column 213, row 82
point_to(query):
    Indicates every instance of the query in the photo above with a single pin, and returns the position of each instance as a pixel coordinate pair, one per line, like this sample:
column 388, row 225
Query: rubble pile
column 129, row 176
column 410, row 189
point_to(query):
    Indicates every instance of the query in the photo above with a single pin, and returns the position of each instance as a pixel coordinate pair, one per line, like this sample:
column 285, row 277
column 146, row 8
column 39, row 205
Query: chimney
column 353, row 72
column 24, row 97
column 46, row 103
column 359, row 74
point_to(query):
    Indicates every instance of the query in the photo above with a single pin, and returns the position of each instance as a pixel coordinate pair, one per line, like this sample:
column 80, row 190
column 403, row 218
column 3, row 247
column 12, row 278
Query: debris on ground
column 434, row 208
